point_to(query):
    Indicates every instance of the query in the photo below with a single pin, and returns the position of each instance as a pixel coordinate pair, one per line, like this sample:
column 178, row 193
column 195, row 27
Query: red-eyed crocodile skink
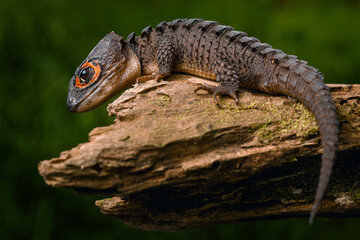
column 213, row 51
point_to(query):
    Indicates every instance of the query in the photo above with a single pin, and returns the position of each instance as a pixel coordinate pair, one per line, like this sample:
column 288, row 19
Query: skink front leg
column 165, row 58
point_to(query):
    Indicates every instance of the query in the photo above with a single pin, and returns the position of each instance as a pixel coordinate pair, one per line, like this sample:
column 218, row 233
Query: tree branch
column 173, row 160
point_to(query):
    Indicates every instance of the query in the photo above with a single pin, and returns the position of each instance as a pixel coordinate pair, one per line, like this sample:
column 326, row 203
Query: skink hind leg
column 226, row 75
column 219, row 91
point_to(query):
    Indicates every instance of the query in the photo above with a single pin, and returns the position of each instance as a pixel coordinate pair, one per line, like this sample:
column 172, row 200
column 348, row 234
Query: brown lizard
column 212, row 51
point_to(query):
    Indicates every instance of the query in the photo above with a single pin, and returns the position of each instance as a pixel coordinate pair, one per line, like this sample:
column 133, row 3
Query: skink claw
column 218, row 91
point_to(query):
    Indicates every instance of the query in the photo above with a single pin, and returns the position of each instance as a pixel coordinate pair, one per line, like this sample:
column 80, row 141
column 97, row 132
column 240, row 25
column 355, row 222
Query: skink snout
column 71, row 104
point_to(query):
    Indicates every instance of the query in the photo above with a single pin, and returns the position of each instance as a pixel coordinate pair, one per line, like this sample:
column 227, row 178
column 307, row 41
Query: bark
column 174, row 160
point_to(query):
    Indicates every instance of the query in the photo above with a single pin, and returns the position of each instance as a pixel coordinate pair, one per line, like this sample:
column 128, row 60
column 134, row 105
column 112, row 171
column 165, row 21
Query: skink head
column 109, row 68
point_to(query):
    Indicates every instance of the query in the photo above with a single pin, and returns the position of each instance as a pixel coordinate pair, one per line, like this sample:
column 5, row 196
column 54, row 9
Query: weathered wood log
column 174, row 160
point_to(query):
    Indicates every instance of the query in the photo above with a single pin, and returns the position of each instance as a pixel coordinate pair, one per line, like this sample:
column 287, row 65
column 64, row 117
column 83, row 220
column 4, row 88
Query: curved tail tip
column 313, row 213
column 311, row 218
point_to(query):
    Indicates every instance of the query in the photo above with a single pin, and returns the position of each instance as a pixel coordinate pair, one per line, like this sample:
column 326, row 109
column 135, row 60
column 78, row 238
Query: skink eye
column 86, row 75
column 89, row 73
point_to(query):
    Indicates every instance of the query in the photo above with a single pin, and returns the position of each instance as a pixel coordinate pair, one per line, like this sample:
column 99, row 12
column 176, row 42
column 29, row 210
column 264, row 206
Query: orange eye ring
column 95, row 67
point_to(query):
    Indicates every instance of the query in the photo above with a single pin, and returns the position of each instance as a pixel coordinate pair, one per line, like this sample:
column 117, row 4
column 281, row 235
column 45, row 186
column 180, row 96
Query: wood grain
column 174, row 160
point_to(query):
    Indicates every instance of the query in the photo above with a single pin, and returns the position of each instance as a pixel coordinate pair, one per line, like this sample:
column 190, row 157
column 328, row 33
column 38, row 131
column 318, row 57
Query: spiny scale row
column 250, row 46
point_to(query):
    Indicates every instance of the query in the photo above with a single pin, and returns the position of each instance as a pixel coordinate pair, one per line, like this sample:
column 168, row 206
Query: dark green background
column 41, row 44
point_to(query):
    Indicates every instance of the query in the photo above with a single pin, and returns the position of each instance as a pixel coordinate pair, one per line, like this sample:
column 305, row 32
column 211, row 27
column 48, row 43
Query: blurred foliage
column 41, row 44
